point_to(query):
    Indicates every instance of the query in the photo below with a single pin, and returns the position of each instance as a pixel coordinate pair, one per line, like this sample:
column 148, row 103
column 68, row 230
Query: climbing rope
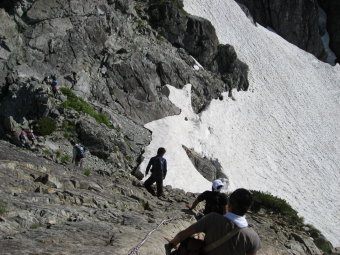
column 134, row 251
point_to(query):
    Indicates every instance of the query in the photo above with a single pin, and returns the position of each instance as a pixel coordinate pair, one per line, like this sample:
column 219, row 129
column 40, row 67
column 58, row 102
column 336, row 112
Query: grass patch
column 34, row 226
column 45, row 126
column 159, row 37
column 58, row 153
column 145, row 205
column 47, row 153
column 3, row 207
column 86, row 172
column 275, row 204
column 139, row 11
column 111, row 91
column 323, row 245
column 69, row 128
column 78, row 104
column 129, row 159
column 65, row 159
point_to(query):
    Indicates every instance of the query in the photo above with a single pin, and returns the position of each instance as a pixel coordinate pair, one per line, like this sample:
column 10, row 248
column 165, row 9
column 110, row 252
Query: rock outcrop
column 210, row 169
column 332, row 9
column 296, row 21
column 198, row 37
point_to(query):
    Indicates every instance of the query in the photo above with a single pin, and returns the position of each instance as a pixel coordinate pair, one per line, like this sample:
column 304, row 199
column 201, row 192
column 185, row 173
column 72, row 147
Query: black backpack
column 80, row 151
column 157, row 166
column 217, row 202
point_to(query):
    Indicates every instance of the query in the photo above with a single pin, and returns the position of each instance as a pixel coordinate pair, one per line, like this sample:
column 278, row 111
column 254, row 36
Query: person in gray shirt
column 243, row 240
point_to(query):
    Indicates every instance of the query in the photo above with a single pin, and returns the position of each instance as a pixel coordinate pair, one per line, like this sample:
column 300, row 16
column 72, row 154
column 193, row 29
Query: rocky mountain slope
column 113, row 60
column 51, row 208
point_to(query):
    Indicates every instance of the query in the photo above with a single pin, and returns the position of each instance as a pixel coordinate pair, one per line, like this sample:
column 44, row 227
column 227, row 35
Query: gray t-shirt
column 215, row 226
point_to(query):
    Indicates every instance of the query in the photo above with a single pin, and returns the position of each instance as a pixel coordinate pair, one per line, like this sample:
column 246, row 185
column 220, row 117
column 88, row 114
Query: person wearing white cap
column 215, row 201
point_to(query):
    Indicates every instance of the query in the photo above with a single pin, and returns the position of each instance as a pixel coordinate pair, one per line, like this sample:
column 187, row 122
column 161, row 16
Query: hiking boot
column 161, row 196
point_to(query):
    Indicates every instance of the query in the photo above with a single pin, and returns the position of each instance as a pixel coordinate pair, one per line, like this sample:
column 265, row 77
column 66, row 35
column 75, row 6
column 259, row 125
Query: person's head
column 217, row 185
column 73, row 142
column 240, row 201
column 161, row 151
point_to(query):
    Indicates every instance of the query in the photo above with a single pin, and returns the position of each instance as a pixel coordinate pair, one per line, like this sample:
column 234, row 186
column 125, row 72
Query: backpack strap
column 222, row 240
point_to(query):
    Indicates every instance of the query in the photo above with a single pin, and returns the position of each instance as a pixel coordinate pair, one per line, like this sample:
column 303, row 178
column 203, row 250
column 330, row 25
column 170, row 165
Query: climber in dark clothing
column 215, row 201
column 158, row 172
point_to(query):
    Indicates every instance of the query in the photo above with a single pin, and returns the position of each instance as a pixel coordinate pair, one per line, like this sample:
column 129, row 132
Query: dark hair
column 161, row 151
column 240, row 201
column 72, row 142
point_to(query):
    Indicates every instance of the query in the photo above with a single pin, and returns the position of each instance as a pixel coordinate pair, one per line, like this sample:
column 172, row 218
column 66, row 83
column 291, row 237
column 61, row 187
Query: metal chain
column 134, row 251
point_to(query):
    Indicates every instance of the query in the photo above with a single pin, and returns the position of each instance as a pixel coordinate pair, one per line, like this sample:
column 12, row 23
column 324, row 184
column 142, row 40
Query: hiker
column 54, row 84
column 23, row 138
column 215, row 201
column 158, row 172
column 31, row 136
column 78, row 154
column 224, row 234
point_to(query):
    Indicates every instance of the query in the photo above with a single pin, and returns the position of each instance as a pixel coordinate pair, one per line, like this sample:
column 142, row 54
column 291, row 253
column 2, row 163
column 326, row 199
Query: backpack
column 157, row 166
column 80, row 151
column 216, row 203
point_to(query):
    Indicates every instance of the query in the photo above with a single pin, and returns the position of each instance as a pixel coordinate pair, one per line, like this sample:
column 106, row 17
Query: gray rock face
column 332, row 9
column 198, row 37
column 296, row 21
column 122, row 145
column 209, row 168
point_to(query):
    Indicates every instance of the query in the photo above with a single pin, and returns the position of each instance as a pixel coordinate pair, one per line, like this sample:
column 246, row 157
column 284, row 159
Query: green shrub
column 86, row 172
column 78, row 104
column 275, row 204
column 34, row 226
column 111, row 91
column 3, row 207
column 314, row 232
column 47, row 153
column 65, row 159
column 69, row 128
column 323, row 245
column 58, row 153
column 129, row 159
column 160, row 37
column 145, row 205
column 45, row 126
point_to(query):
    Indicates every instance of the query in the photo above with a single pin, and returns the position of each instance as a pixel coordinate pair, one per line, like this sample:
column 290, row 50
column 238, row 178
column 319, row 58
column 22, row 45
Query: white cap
column 217, row 185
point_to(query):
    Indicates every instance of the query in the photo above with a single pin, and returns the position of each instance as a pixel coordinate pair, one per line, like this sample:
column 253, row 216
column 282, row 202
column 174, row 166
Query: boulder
column 210, row 169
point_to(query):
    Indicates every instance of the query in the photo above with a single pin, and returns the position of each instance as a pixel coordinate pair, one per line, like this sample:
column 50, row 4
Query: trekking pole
column 134, row 251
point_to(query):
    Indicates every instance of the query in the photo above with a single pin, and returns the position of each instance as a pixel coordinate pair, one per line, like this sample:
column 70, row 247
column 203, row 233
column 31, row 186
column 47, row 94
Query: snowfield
column 281, row 136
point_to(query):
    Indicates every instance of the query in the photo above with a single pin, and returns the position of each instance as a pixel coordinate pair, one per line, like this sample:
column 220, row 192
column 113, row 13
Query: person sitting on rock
column 31, row 136
column 215, row 201
column 23, row 138
column 158, row 167
column 78, row 154
column 225, row 234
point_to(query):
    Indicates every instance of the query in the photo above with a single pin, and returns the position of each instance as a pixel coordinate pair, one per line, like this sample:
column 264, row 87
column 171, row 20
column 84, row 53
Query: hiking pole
column 134, row 251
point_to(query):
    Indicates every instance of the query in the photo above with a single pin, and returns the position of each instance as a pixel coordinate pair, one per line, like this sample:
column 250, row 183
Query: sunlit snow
column 281, row 136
